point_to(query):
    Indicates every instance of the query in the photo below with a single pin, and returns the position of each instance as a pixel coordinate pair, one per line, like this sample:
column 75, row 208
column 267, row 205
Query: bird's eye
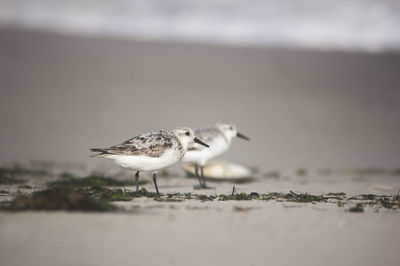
column 187, row 133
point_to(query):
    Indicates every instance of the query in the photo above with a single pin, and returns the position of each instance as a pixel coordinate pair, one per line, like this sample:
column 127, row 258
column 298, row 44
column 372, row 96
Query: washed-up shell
column 222, row 171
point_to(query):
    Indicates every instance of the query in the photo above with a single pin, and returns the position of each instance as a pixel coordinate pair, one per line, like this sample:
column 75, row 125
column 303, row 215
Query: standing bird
column 152, row 151
column 219, row 137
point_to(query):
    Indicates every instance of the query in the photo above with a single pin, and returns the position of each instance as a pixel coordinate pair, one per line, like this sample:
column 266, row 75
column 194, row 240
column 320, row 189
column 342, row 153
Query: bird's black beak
column 200, row 142
column 242, row 136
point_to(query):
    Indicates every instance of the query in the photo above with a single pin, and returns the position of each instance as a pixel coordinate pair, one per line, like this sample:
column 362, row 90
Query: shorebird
column 219, row 137
column 151, row 151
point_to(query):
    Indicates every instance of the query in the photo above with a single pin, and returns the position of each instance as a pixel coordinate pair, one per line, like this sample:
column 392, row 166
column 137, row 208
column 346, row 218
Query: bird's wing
column 152, row 144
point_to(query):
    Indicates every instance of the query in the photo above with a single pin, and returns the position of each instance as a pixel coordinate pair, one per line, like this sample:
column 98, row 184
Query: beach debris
column 93, row 180
column 301, row 172
column 335, row 194
column 273, row 174
column 357, row 208
column 14, row 173
column 241, row 209
column 55, row 199
column 67, row 198
column 304, row 197
column 236, row 196
column 217, row 170
column 25, row 186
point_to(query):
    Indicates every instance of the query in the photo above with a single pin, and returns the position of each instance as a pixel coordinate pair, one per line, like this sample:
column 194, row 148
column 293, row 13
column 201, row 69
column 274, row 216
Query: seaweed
column 272, row 174
column 55, row 199
column 188, row 196
column 164, row 173
column 294, row 197
column 357, row 208
column 11, row 174
column 10, row 180
column 114, row 194
column 368, row 197
column 82, row 193
column 241, row 209
column 389, row 204
column 93, row 180
column 145, row 193
column 205, row 197
column 25, row 186
column 272, row 196
column 291, row 197
column 301, row 172
column 336, row 194
column 254, row 195
column 238, row 196
column 108, row 194
column 242, row 180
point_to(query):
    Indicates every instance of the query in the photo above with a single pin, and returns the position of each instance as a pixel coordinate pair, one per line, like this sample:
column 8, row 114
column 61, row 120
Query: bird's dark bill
column 200, row 142
column 242, row 136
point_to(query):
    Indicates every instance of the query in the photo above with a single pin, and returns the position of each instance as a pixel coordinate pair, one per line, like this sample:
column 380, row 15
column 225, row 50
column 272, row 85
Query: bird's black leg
column 202, row 176
column 196, row 169
column 137, row 181
column 155, row 182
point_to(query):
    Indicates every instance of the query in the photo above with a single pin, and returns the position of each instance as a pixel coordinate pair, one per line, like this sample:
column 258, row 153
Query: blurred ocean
column 349, row 25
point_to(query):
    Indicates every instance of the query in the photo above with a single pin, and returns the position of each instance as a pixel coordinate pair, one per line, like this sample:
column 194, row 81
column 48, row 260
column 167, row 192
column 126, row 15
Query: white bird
column 152, row 151
column 219, row 137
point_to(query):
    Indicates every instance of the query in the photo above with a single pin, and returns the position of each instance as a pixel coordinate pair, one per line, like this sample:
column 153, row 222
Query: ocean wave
column 366, row 25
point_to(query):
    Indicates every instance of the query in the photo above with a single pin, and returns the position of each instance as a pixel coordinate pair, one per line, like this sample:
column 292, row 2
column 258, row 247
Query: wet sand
column 62, row 94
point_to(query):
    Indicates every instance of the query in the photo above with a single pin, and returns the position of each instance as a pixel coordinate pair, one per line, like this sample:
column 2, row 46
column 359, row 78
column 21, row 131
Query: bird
column 219, row 137
column 151, row 151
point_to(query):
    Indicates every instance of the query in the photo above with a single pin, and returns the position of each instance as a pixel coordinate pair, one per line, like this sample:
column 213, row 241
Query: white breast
column 146, row 163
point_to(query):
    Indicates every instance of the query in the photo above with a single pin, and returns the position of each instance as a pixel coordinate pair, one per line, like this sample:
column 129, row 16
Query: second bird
column 219, row 137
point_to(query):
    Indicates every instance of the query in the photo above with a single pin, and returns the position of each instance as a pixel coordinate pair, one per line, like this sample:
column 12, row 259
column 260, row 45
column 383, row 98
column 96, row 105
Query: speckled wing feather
column 205, row 134
column 152, row 144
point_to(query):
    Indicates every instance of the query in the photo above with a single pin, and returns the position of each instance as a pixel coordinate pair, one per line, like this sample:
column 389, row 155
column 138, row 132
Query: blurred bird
column 219, row 137
column 152, row 151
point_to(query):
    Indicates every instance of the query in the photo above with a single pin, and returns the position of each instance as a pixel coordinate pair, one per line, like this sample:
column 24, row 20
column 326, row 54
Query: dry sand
column 172, row 234
column 215, row 233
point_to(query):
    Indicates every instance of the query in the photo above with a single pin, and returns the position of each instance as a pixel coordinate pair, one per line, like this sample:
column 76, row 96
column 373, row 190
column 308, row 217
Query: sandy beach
column 63, row 94
column 174, row 235
column 193, row 232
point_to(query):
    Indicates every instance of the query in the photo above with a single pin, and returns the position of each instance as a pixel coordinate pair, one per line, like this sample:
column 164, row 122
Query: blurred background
column 314, row 83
